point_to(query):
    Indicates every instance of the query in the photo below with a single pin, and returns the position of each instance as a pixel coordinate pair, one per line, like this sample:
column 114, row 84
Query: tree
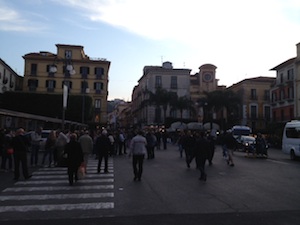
column 219, row 100
column 183, row 103
column 161, row 98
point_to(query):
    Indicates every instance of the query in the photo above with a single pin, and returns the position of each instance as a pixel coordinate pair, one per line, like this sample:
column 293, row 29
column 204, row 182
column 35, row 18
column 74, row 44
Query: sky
column 242, row 38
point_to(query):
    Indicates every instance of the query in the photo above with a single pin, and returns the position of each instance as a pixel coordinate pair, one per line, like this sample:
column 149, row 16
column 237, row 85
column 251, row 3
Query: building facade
column 285, row 92
column 46, row 72
column 164, row 77
column 201, row 83
column 9, row 79
column 255, row 110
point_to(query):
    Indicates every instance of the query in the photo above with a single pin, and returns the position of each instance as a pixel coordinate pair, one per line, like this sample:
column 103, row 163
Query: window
column 281, row 78
column 97, row 103
column 5, row 79
column 99, row 71
column 68, row 54
column 253, row 111
column 267, row 112
column 33, row 69
column 32, row 84
column 282, row 95
column 292, row 132
column 173, row 82
column 267, row 95
column 98, row 87
column 50, row 85
column 274, row 97
column 290, row 74
column 11, row 82
column 158, row 83
column 253, row 94
column 51, row 69
column 68, row 83
column 84, row 71
column 66, row 72
column 84, row 86
column 290, row 93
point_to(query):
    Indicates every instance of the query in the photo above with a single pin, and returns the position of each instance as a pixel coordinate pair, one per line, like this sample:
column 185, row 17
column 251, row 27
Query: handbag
column 81, row 171
column 10, row 151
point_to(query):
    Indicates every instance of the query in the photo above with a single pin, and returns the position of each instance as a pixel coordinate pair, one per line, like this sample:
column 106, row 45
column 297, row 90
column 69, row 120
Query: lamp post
column 85, row 89
column 69, row 70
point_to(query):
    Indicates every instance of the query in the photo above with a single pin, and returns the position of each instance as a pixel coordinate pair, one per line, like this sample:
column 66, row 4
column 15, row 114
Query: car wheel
column 292, row 155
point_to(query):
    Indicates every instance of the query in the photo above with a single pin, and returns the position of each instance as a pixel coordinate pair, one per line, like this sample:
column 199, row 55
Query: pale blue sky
column 243, row 38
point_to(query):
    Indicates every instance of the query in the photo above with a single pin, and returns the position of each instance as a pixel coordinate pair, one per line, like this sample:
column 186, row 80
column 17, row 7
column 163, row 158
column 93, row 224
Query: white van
column 291, row 139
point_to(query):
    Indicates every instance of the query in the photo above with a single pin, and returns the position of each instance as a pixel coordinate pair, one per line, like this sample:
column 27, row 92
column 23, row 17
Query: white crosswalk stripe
column 49, row 190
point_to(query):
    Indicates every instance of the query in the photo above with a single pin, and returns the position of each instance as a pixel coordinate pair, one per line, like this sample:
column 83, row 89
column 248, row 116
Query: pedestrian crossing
column 48, row 190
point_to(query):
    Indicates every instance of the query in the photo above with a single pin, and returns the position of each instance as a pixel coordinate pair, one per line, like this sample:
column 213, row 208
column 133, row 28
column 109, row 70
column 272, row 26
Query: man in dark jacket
column 20, row 145
column 102, row 148
column 74, row 157
column 202, row 153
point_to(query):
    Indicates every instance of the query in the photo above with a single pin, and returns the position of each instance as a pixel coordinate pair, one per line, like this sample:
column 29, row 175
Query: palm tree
column 161, row 98
column 183, row 103
column 220, row 100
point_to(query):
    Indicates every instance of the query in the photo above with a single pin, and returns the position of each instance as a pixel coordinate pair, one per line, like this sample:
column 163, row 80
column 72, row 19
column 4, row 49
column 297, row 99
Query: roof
column 284, row 64
column 8, row 67
column 256, row 79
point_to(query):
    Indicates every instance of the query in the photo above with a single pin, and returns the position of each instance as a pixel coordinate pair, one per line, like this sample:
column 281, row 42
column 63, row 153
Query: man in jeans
column 36, row 138
column 138, row 150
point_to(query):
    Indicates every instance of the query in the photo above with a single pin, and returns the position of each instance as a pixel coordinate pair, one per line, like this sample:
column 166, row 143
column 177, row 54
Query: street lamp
column 69, row 70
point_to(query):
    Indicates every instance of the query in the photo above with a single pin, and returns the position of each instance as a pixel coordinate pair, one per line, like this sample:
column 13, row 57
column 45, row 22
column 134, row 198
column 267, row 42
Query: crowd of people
column 73, row 149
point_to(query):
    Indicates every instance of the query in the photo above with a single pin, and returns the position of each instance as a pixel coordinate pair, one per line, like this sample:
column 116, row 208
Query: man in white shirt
column 138, row 151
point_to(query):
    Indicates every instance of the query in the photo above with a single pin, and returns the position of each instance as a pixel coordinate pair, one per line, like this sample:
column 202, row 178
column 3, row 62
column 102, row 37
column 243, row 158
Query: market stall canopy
column 211, row 126
column 195, row 126
column 178, row 126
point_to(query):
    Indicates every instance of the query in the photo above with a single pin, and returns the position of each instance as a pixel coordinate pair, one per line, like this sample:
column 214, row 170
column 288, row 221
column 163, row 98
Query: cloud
column 12, row 20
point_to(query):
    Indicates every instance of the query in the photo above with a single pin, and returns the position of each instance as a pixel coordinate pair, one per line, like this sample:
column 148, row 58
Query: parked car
column 246, row 143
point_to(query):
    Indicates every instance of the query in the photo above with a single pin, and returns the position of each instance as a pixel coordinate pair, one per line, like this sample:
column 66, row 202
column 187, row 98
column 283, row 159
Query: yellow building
column 255, row 110
column 46, row 72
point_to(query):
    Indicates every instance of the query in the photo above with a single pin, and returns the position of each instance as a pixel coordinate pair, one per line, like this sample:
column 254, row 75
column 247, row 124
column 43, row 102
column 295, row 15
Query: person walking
column 121, row 143
column 74, row 155
column 201, row 153
column 49, row 147
column 86, row 143
column 151, row 142
column 102, row 148
column 261, row 146
column 138, row 150
column 20, row 145
column 7, row 151
column 228, row 141
column 36, row 138
column 211, row 152
column 188, row 144
column 60, row 144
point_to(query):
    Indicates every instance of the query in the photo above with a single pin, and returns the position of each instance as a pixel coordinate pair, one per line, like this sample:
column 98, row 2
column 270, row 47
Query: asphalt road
column 255, row 191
